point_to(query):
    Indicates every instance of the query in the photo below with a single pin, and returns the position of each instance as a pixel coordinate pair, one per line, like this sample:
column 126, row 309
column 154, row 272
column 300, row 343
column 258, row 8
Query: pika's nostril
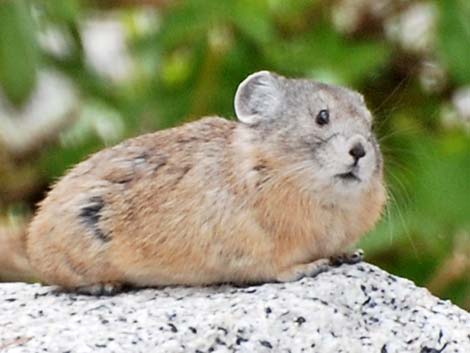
column 357, row 152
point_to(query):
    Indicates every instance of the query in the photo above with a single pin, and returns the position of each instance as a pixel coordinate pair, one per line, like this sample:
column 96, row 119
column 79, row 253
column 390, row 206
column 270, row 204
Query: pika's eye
column 323, row 117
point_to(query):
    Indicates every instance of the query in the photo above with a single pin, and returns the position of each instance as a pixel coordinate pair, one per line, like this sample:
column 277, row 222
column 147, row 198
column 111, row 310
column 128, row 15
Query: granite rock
column 352, row 308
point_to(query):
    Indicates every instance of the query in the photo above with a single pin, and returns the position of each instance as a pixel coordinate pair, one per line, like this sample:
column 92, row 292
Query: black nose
column 357, row 152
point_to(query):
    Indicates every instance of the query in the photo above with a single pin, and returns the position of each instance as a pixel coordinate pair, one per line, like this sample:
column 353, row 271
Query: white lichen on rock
column 356, row 308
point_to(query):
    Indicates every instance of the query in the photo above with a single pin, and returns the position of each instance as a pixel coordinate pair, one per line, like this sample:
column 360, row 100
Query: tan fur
column 14, row 265
column 197, row 204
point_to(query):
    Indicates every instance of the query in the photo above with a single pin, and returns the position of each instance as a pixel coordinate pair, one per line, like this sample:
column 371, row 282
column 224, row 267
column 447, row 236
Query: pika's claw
column 347, row 258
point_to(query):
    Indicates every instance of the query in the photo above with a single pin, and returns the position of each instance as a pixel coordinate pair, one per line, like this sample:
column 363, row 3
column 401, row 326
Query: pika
column 273, row 197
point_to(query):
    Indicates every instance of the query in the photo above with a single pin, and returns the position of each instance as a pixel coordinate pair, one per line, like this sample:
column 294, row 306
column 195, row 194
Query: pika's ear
column 258, row 97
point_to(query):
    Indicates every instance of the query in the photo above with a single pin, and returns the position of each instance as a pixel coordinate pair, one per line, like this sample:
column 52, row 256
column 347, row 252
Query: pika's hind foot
column 100, row 289
column 347, row 258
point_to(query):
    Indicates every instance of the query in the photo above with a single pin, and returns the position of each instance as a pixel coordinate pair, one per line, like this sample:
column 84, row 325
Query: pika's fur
column 272, row 197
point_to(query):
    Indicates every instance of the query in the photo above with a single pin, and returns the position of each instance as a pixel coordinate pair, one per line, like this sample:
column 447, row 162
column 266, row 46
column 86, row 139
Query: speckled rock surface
column 356, row 308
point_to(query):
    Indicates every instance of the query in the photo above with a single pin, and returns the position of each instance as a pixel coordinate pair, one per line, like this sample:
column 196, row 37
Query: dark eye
column 323, row 117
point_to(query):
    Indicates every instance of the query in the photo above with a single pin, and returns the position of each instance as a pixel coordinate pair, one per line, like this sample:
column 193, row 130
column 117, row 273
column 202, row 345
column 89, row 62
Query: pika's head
column 323, row 131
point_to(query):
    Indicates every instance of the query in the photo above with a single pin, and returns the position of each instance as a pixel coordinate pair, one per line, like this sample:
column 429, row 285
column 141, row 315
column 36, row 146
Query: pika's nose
column 357, row 152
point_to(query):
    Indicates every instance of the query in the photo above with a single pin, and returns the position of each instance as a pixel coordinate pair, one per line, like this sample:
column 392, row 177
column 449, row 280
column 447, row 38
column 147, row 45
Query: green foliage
column 323, row 52
column 19, row 56
column 454, row 37
column 188, row 61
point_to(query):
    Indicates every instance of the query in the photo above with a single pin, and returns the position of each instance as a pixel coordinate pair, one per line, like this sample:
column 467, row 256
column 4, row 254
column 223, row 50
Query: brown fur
column 169, row 225
column 14, row 265
column 203, row 203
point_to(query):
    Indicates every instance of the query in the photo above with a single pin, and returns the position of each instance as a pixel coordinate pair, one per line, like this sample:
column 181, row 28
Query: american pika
column 269, row 198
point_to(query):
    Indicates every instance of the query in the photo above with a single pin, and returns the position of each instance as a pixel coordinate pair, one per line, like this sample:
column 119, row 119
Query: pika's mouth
column 349, row 176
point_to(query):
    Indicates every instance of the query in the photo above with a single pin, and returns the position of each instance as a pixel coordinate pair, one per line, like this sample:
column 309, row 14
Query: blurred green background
column 76, row 76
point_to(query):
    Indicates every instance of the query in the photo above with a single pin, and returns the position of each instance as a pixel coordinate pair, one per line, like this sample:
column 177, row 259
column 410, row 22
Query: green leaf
column 65, row 10
column 252, row 17
column 454, row 38
column 191, row 20
column 19, row 54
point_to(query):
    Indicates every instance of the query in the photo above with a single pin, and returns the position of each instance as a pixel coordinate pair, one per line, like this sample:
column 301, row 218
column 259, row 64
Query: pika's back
column 143, row 156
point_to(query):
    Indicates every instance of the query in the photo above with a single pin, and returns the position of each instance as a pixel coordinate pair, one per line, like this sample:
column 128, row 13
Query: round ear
column 257, row 98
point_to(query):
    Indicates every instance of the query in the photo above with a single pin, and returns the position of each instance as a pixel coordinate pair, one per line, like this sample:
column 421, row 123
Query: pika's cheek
column 379, row 161
column 375, row 148
column 367, row 166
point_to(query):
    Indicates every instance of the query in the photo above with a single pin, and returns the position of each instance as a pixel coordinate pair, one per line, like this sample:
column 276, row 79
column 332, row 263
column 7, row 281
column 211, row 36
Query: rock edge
column 352, row 308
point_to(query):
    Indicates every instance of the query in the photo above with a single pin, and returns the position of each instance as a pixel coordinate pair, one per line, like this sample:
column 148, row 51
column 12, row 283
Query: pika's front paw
column 347, row 258
column 99, row 289
column 303, row 270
